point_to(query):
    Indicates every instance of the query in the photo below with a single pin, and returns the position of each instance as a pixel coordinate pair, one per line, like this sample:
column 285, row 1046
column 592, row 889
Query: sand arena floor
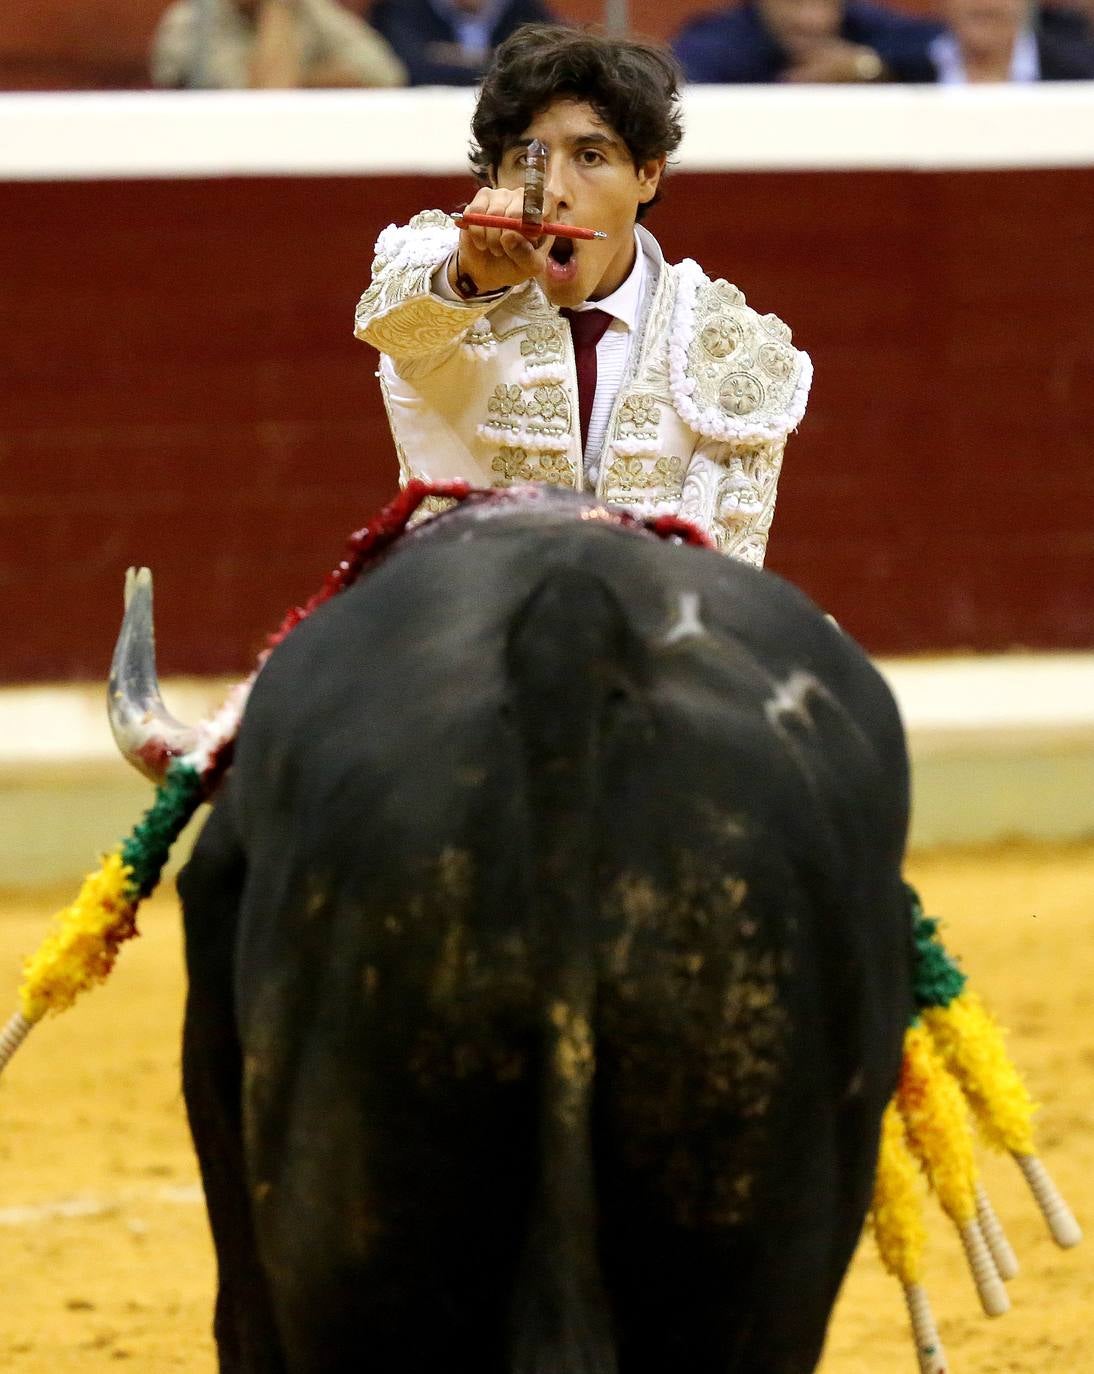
column 107, row 1262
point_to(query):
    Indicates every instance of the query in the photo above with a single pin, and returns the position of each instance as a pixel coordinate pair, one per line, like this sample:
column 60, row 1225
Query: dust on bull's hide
column 473, row 992
column 574, row 1057
column 698, row 1033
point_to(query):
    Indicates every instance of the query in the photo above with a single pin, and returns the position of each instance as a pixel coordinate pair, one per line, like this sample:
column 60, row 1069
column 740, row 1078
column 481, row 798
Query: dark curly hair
column 633, row 86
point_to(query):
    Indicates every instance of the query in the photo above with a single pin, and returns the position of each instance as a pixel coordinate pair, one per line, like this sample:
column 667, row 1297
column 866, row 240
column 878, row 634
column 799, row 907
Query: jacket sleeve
column 729, row 492
column 400, row 314
column 739, row 383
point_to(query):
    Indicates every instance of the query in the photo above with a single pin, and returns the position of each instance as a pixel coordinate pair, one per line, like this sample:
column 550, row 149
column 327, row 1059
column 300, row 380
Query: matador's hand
column 496, row 258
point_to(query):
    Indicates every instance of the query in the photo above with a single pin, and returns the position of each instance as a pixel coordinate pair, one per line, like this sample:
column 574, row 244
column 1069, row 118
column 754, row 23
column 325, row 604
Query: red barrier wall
column 185, row 391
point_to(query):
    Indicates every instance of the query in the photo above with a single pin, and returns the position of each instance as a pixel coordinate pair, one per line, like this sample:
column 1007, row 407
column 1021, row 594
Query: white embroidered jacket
column 487, row 391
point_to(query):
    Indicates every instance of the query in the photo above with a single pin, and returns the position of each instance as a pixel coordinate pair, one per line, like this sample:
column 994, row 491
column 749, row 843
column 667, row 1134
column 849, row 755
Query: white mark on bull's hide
column 688, row 625
column 854, row 1087
column 790, row 700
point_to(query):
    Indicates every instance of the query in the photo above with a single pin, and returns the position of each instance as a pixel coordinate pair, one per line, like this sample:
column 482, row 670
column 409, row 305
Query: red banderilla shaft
column 558, row 231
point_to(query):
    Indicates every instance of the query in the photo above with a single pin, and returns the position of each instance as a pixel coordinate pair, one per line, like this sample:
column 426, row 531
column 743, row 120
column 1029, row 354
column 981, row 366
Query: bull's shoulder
column 735, row 375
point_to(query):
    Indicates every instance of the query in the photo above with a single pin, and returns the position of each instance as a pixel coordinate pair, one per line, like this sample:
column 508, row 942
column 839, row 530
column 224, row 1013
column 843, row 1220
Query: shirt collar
column 475, row 28
column 945, row 51
column 625, row 302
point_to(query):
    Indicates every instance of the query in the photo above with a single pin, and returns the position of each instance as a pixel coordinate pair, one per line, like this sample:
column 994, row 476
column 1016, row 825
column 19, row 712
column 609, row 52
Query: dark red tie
column 587, row 329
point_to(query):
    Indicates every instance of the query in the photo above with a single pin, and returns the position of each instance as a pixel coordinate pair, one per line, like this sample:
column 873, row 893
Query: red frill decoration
column 672, row 527
column 367, row 544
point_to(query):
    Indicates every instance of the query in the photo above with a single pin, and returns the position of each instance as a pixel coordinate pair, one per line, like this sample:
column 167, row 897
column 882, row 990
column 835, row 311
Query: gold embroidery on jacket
column 740, row 394
column 550, row 403
column 519, row 465
column 740, row 363
column 625, row 475
column 506, row 402
column 638, row 414
column 542, row 343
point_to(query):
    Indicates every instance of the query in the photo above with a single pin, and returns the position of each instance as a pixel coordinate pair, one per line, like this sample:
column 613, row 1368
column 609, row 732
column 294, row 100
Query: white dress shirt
column 945, row 53
column 473, row 28
column 612, row 355
column 613, row 352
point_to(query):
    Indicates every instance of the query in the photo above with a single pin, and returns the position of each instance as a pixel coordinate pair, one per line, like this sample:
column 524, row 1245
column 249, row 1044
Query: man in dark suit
column 1004, row 40
column 450, row 42
column 803, row 40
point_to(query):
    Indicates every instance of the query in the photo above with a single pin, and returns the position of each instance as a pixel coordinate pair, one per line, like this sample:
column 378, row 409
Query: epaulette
column 427, row 240
column 734, row 374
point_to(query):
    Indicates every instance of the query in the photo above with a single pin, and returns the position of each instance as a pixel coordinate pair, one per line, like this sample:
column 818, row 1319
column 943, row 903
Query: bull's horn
column 146, row 733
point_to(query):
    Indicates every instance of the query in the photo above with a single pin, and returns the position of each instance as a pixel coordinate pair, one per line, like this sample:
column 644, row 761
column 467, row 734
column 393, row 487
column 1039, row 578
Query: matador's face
column 591, row 181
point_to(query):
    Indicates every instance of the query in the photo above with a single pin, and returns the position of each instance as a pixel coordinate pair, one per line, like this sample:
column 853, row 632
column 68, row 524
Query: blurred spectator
column 1002, row 40
column 226, row 44
column 1073, row 20
column 450, row 42
column 803, row 40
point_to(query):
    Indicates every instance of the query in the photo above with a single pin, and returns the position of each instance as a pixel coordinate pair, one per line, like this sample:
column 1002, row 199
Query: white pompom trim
column 634, row 448
column 506, row 435
column 480, row 340
column 533, row 441
column 404, row 247
column 542, row 441
column 542, row 374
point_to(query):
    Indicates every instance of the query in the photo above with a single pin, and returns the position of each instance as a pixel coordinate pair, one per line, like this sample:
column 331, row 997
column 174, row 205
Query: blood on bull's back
column 548, row 965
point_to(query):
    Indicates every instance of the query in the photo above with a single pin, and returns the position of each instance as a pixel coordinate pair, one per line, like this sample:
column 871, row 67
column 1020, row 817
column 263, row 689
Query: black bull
column 548, row 965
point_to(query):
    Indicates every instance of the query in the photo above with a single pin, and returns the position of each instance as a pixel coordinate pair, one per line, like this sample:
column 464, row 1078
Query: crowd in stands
column 284, row 43
column 859, row 40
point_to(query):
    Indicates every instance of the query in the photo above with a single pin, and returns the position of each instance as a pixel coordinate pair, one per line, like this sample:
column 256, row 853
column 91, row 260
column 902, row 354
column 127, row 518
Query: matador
column 590, row 363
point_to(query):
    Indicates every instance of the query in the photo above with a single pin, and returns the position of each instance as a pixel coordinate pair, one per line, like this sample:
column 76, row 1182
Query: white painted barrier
column 136, row 134
column 1001, row 746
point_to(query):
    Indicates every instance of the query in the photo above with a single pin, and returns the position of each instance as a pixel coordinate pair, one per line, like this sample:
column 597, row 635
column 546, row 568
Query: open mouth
column 562, row 261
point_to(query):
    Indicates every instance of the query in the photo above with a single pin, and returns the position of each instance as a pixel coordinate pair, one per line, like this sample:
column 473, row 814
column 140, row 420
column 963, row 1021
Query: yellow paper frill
column 897, row 1210
column 937, row 1125
column 82, row 947
column 971, row 1044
